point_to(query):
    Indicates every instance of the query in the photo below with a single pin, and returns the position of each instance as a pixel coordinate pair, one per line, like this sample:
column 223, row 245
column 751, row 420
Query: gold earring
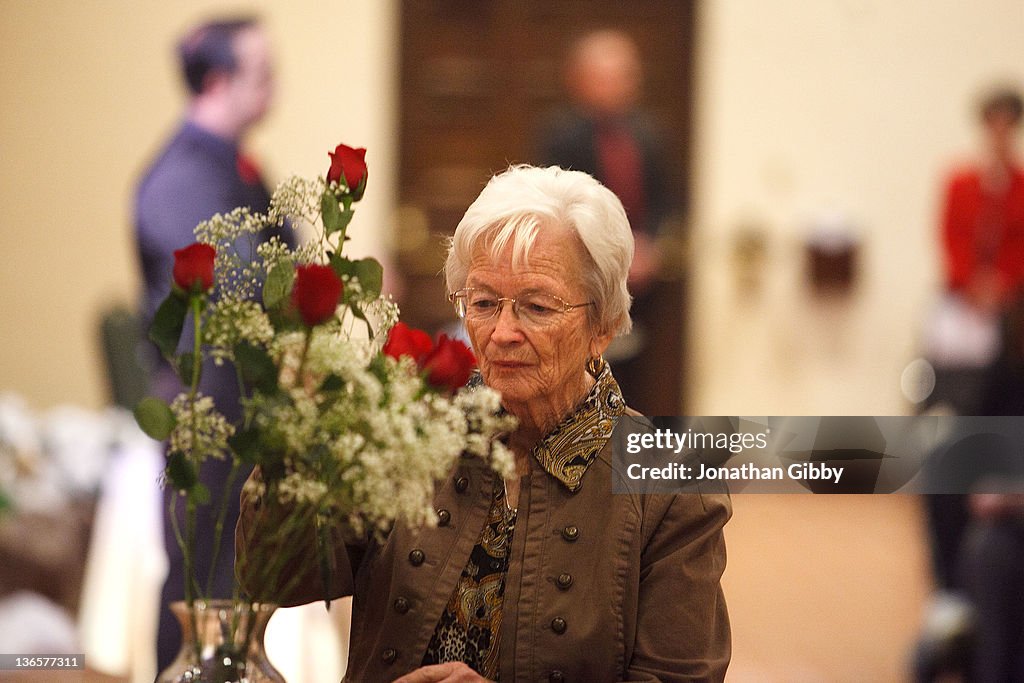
column 595, row 365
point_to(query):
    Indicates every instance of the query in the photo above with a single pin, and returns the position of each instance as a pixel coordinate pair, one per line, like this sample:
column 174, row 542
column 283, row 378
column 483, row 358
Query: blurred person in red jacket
column 983, row 217
column 982, row 239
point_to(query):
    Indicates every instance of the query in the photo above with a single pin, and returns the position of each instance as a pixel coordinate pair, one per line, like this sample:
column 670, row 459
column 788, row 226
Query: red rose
column 350, row 163
column 316, row 293
column 450, row 364
column 193, row 267
column 408, row 341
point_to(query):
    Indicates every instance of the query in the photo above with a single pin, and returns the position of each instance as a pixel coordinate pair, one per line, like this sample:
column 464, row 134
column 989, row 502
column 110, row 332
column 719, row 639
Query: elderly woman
column 547, row 576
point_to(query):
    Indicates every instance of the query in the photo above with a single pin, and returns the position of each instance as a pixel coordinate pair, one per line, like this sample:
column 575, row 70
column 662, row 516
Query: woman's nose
column 507, row 327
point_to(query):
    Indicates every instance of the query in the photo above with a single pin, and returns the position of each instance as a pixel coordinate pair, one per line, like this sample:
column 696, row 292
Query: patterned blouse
column 469, row 629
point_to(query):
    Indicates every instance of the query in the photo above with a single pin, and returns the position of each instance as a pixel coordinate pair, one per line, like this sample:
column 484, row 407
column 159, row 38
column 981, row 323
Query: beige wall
column 807, row 107
column 89, row 90
column 803, row 107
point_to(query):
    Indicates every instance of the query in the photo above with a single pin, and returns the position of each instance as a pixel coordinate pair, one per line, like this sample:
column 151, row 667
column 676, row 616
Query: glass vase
column 221, row 642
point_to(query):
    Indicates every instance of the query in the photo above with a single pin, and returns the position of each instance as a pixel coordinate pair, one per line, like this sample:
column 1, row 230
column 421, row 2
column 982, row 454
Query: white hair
column 518, row 203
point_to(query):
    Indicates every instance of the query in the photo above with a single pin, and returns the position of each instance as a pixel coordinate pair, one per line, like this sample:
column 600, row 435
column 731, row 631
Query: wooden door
column 477, row 77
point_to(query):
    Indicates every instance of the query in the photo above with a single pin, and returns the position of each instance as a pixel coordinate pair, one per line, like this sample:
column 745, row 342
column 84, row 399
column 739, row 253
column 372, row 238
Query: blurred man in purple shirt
column 228, row 70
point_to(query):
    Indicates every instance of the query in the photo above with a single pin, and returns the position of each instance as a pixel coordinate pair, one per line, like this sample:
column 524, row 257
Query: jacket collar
column 569, row 449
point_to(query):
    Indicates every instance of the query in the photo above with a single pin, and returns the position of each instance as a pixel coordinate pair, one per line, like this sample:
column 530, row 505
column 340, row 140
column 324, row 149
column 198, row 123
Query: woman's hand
column 449, row 672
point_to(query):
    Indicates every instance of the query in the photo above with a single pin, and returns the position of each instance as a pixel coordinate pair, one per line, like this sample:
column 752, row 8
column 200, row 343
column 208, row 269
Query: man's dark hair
column 1002, row 100
column 208, row 48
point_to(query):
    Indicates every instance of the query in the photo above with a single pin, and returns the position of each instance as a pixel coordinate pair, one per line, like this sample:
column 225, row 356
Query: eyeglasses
column 535, row 309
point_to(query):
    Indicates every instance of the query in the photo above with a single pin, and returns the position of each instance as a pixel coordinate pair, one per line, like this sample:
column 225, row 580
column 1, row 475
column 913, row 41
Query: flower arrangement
column 350, row 415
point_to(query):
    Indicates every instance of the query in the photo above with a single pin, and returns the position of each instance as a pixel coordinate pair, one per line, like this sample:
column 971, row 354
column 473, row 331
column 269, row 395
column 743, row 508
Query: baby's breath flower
column 200, row 431
column 272, row 252
column 230, row 321
column 296, row 199
column 254, row 488
column 383, row 314
column 311, row 252
column 294, row 488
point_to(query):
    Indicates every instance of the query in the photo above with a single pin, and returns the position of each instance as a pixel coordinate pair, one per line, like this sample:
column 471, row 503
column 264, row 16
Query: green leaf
column 346, row 218
column 378, row 366
column 155, row 418
column 370, row 274
column 285, row 320
column 257, row 367
column 256, row 447
column 367, row 271
column 245, row 444
column 270, row 460
column 185, row 365
column 357, row 193
column 199, row 494
column 324, row 551
column 343, row 266
column 273, row 471
column 358, row 313
column 332, row 383
column 180, row 472
column 168, row 323
column 278, row 284
column 335, row 218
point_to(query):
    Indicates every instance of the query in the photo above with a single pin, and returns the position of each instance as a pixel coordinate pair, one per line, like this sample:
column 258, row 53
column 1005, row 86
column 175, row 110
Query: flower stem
column 197, row 309
column 241, row 386
column 222, row 513
column 189, row 545
column 188, row 548
column 302, row 358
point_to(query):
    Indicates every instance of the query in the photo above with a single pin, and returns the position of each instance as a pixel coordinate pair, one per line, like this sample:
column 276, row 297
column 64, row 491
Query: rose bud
column 193, row 267
column 408, row 341
column 350, row 164
column 316, row 293
column 449, row 365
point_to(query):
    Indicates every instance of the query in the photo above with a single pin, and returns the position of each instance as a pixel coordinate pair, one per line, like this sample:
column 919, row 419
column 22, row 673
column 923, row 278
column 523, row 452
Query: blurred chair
column 125, row 357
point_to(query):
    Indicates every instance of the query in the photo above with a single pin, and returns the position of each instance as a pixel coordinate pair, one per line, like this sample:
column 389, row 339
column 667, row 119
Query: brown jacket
column 601, row 586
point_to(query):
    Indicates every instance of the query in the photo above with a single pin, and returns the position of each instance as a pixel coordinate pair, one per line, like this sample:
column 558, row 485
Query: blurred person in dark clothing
column 992, row 553
column 200, row 172
column 606, row 134
column 978, row 354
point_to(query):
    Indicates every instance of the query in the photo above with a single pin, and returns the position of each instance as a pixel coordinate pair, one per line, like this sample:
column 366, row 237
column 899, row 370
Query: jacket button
column 444, row 518
column 461, row 484
column 564, row 581
column 556, row 677
column 571, row 533
column 416, row 557
column 401, row 605
column 388, row 656
column 558, row 625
